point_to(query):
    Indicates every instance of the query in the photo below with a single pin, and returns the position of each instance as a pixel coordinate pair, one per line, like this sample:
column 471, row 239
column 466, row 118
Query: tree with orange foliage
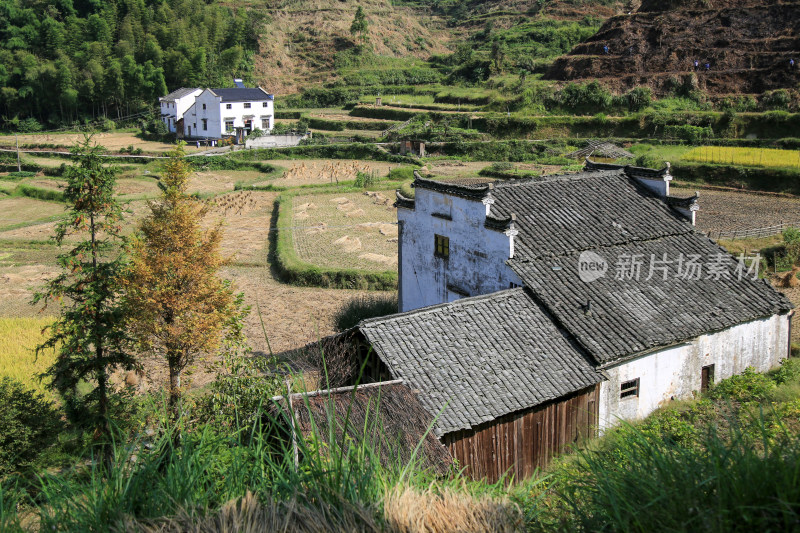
column 179, row 309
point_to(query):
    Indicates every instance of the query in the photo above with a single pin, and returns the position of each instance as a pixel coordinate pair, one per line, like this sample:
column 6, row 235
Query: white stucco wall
column 271, row 141
column 477, row 255
column 675, row 372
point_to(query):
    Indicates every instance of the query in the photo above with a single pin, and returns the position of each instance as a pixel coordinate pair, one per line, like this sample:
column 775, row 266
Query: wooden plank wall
column 520, row 442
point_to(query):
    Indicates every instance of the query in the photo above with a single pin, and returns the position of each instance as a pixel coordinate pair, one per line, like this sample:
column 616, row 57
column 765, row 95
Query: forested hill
column 66, row 60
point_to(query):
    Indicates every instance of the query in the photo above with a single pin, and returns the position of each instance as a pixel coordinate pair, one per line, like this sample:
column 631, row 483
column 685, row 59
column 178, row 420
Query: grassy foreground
column 729, row 461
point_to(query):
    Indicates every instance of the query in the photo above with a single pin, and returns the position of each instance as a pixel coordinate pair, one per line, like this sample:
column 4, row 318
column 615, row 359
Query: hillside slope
column 747, row 44
column 305, row 43
column 307, row 40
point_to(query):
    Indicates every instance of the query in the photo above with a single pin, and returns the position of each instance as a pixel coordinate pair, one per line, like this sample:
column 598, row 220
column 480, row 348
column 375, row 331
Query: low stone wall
column 274, row 141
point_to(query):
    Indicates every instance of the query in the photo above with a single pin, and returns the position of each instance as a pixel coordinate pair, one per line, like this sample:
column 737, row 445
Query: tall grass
column 726, row 484
column 18, row 340
column 364, row 307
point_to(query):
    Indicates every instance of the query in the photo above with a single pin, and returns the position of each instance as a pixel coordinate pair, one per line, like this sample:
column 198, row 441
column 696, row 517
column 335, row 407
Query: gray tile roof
column 178, row 93
column 237, row 94
column 567, row 213
column 631, row 314
column 479, row 358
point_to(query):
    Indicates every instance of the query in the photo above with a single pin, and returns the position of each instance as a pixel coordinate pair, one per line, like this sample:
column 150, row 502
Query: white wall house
column 234, row 112
column 654, row 339
column 450, row 248
column 174, row 106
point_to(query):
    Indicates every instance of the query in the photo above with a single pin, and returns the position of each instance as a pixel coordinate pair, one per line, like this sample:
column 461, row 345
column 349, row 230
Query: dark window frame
column 264, row 104
column 629, row 389
column 205, row 124
column 204, row 107
column 247, row 105
column 441, row 246
column 228, row 106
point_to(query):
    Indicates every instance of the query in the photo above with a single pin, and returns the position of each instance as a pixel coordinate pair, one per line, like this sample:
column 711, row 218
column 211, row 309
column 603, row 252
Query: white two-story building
column 234, row 112
column 174, row 106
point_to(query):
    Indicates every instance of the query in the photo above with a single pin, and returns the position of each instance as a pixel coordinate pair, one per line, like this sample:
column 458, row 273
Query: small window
column 513, row 285
column 247, row 105
column 228, row 106
column 204, row 107
column 265, row 104
column 442, row 246
column 629, row 389
column 229, row 125
column 264, row 123
column 205, row 124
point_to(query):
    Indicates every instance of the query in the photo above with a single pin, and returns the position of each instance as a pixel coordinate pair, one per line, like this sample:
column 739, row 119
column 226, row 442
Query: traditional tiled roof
column 238, row 94
column 624, row 313
column 479, row 358
column 177, row 94
column 566, row 213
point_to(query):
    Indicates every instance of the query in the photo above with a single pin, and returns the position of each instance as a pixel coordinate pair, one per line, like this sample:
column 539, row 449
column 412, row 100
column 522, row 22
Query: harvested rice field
column 735, row 211
column 353, row 230
column 111, row 141
column 324, row 171
column 21, row 211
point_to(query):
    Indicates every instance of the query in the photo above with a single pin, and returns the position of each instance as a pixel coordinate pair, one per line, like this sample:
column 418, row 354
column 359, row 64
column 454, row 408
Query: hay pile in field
column 789, row 279
column 333, row 172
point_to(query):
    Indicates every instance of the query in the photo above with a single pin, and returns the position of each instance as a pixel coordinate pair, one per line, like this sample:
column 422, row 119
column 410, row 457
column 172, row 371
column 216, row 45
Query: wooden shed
column 507, row 388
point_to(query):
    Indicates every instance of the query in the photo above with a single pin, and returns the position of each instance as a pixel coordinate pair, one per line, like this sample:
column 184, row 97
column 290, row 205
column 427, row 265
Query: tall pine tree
column 88, row 335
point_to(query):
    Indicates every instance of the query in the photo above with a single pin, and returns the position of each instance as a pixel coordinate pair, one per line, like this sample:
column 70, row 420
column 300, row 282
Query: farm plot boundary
column 292, row 269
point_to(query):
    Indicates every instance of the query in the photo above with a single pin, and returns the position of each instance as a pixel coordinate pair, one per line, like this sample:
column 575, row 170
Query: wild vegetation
column 70, row 62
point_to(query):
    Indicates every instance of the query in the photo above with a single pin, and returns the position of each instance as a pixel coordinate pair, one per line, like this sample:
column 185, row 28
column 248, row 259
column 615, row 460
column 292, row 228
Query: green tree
column 498, row 54
column 88, row 335
column 180, row 310
column 360, row 26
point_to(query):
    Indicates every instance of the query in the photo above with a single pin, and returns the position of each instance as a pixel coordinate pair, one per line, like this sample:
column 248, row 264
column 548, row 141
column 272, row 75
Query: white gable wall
column 675, row 372
column 477, row 262
column 194, row 118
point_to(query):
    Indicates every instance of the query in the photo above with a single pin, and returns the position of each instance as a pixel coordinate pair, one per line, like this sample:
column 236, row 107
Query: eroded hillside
column 306, row 42
column 747, row 46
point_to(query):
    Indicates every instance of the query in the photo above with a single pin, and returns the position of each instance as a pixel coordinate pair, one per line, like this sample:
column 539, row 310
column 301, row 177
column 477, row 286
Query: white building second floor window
column 228, row 106
column 265, row 104
column 247, row 105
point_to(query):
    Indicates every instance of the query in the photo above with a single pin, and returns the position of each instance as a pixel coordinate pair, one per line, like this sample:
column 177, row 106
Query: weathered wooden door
column 706, row 377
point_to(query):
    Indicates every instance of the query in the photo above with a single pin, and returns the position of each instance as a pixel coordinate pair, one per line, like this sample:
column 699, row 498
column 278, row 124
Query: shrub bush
column 29, row 425
column 749, row 386
column 21, row 174
column 364, row 307
column 41, row 194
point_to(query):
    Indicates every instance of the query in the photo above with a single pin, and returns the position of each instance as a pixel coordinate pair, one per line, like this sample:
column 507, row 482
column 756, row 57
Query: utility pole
column 19, row 167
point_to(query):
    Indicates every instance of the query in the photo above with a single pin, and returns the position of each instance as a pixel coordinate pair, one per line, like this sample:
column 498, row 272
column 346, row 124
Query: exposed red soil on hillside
column 747, row 45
